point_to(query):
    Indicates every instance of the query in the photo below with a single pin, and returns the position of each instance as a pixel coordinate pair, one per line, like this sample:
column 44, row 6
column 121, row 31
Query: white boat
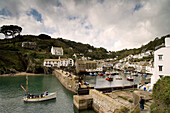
column 129, row 78
column 38, row 98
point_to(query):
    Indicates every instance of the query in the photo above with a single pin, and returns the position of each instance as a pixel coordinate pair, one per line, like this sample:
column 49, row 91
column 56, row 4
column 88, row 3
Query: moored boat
column 91, row 74
column 95, row 74
column 129, row 78
column 109, row 78
column 100, row 74
column 36, row 98
column 41, row 97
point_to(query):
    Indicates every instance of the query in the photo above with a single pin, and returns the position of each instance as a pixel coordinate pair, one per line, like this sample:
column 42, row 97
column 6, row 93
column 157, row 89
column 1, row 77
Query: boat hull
column 109, row 79
column 48, row 97
column 130, row 79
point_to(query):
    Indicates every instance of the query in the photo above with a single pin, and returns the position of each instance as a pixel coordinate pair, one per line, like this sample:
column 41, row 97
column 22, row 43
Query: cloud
column 112, row 24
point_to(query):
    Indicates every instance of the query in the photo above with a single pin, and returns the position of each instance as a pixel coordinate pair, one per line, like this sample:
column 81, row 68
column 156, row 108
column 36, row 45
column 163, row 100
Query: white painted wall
column 165, row 62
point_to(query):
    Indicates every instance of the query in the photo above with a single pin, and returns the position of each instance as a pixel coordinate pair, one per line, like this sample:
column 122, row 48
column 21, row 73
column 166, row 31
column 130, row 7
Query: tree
column 10, row 30
column 44, row 36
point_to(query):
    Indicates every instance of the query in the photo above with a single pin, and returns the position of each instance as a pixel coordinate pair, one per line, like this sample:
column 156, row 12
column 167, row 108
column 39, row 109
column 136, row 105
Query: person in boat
column 45, row 93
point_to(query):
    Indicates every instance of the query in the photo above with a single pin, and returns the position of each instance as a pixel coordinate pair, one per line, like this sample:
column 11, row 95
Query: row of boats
column 110, row 78
column 104, row 73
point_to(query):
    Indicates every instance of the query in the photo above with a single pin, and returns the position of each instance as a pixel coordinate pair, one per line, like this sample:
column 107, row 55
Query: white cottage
column 57, row 51
column 161, row 62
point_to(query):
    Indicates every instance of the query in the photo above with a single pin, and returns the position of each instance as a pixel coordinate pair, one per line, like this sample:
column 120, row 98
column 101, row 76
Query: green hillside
column 150, row 46
column 13, row 57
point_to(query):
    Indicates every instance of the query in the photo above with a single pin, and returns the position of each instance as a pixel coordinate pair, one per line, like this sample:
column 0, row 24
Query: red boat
column 101, row 74
column 109, row 78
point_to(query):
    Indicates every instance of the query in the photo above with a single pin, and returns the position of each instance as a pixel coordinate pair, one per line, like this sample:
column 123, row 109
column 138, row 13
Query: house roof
column 63, row 59
column 57, row 47
column 51, row 60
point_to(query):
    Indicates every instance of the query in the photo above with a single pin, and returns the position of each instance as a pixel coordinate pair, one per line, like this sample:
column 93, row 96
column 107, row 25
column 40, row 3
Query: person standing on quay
column 142, row 102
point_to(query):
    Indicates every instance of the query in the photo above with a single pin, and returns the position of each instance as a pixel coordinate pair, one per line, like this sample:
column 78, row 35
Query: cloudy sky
column 112, row 24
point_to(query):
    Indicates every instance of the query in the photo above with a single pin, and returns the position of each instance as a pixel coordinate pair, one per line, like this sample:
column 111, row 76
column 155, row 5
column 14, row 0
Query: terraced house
column 58, row 62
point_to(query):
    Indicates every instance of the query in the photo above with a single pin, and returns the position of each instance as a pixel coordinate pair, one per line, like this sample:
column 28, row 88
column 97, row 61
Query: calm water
column 100, row 81
column 11, row 95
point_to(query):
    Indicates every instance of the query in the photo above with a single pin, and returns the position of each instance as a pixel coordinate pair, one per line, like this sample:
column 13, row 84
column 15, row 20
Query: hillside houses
column 141, row 66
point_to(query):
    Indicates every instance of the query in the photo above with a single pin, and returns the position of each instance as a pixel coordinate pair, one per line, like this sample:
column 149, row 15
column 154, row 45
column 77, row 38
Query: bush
column 161, row 96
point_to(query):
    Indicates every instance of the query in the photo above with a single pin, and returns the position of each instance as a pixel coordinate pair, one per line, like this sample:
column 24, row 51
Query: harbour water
column 11, row 95
column 101, row 82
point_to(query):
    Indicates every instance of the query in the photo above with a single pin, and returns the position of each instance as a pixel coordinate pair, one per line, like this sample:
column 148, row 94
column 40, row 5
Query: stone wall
column 82, row 102
column 104, row 103
column 69, row 82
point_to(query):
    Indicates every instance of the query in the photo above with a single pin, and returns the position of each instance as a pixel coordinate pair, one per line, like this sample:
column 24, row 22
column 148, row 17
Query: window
column 160, row 68
column 160, row 57
column 161, row 76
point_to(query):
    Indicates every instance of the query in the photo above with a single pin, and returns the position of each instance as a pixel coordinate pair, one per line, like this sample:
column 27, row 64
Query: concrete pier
column 82, row 102
column 113, row 102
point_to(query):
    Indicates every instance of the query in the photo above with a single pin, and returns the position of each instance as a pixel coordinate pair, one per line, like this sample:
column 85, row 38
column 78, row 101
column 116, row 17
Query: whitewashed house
column 161, row 62
column 57, row 51
column 90, row 50
column 58, row 62
column 52, row 62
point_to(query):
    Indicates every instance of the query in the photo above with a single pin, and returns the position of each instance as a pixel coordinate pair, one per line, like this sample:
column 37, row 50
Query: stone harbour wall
column 103, row 103
column 69, row 81
column 82, row 102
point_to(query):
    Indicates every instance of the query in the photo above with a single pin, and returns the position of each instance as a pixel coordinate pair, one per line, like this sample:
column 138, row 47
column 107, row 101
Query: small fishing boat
column 91, row 74
column 145, row 75
column 109, row 78
column 100, row 74
column 41, row 97
column 129, row 78
column 37, row 98
column 95, row 74
column 86, row 83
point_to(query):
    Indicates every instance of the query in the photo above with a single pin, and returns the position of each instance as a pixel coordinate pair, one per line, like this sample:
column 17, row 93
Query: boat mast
column 27, row 83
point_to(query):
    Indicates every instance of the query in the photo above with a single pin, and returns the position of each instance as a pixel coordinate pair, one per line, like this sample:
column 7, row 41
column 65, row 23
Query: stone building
column 85, row 66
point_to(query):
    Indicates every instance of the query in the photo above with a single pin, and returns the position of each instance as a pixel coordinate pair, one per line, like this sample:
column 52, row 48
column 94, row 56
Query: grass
column 122, row 97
